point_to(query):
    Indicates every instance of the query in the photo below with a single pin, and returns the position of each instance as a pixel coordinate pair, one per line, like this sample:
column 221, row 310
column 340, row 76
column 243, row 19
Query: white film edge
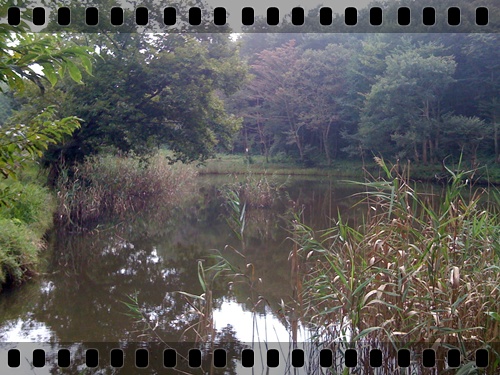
column 254, row 332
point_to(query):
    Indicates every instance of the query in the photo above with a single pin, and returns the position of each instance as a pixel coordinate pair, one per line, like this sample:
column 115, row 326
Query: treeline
column 314, row 98
column 310, row 98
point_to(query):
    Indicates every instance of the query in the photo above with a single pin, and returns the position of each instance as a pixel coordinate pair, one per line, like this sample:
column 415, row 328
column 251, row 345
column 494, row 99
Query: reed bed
column 416, row 270
column 117, row 186
column 254, row 190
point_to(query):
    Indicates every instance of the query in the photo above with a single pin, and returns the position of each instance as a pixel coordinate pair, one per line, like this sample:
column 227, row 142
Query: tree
column 274, row 88
column 467, row 133
column 150, row 90
column 322, row 90
column 483, row 83
column 402, row 111
column 19, row 54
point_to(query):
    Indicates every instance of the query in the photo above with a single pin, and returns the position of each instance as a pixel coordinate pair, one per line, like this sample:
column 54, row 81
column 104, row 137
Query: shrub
column 257, row 191
column 32, row 204
column 25, row 215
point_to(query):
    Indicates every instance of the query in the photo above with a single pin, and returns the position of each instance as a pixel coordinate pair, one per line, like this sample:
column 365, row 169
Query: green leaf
column 50, row 73
column 201, row 276
column 87, row 63
column 191, row 295
column 74, row 72
column 469, row 368
column 494, row 315
column 365, row 332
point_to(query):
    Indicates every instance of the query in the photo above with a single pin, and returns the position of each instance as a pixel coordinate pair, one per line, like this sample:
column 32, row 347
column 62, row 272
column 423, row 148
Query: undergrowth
column 26, row 210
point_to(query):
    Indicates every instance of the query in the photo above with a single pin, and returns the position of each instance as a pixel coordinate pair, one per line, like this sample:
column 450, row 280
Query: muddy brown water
column 88, row 277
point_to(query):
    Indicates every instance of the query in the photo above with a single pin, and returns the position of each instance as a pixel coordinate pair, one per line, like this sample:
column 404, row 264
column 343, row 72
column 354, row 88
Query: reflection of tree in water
column 92, row 273
column 98, row 270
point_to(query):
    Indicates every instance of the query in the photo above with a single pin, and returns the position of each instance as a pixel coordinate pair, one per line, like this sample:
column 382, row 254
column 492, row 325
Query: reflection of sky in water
column 26, row 331
column 252, row 327
column 80, row 297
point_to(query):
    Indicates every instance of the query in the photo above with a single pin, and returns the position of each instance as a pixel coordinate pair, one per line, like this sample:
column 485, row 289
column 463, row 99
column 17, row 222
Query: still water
column 87, row 277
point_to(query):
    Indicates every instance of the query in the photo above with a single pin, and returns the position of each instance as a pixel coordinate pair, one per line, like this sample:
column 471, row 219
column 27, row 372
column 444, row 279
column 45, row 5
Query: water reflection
column 89, row 275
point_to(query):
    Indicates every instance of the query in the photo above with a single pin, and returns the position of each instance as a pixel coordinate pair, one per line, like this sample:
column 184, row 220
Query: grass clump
column 254, row 190
column 18, row 251
column 25, row 215
column 418, row 269
column 115, row 185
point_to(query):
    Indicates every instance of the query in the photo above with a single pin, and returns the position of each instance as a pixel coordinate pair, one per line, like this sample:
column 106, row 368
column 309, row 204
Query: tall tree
column 149, row 90
column 274, row 87
column 403, row 109
column 322, row 89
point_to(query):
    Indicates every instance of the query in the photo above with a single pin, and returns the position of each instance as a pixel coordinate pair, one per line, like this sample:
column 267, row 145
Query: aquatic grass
column 419, row 269
column 254, row 190
column 118, row 186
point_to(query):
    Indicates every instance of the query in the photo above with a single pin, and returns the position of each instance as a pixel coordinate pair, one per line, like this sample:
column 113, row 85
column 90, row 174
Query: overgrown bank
column 85, row 194
column 25, row 216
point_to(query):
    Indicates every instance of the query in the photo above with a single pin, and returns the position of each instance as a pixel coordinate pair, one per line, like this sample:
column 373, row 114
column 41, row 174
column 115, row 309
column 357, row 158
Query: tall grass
column 417, row 270
column 114, row 185
column 254, row 190
column 25, row 214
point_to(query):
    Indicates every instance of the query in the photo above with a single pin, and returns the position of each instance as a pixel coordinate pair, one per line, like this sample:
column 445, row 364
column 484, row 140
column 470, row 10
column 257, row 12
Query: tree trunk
column 424, row 152
column 299, row 145
column 495, row 140
column 326, row 144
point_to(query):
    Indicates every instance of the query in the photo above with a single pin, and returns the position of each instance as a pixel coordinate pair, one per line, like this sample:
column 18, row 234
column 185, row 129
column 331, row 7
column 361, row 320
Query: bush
column 25, row 215
column 31, row 204
column 258, row 191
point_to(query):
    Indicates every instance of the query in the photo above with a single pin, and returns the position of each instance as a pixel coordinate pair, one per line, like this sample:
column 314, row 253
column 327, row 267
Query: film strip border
column 304, row 357
column 433, row 17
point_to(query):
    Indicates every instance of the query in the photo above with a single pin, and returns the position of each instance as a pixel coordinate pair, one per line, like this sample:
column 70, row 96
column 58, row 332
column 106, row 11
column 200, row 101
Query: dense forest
column 308, row 98
column 319, row 97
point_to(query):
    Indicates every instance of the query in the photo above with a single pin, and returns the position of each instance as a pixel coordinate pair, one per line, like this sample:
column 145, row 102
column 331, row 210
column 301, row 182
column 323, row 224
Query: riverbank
column 239, row 164
column 25, row 216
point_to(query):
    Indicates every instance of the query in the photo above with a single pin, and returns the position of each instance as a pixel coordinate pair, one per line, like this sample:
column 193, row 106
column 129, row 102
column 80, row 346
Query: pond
column 88, row 276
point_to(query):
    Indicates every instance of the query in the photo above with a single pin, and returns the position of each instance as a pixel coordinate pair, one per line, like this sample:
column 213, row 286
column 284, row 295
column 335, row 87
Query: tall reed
column 417, row 270
column 114, row 185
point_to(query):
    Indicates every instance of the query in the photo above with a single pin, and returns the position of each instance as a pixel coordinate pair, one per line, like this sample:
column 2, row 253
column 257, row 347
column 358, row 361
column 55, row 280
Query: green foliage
column 161, row 91
column 20, row 52
column 401, row 111
column 18, row 251
column 20, row 143
column 28, row 203
column 24, row 218
column 390, row 94
column 6, row 105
